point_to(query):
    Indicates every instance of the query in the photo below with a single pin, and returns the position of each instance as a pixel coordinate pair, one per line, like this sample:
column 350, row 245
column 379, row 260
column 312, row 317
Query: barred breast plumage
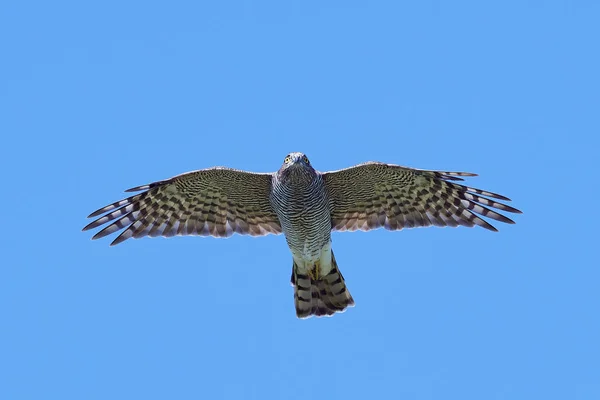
column 300, row 201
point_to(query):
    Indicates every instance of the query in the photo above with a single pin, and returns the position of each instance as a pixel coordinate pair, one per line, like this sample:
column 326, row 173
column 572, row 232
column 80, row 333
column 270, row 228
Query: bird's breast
column 304, row 216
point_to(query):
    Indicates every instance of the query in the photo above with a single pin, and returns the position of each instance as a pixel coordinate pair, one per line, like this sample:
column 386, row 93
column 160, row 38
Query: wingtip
column 456, row 176
column 143, row 187
column 96, row 213
column 119, row 239
column 87, row 227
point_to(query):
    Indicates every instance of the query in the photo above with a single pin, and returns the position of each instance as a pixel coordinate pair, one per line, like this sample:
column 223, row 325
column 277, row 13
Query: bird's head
column 296, row 160
column 296, row 163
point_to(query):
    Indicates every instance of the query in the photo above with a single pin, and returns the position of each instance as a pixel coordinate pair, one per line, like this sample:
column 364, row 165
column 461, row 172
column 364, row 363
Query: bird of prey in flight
column 305, row 205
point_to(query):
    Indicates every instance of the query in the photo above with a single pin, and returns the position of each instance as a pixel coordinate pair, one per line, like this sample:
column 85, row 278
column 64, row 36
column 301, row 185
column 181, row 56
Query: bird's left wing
column 373, row 195
column 211, row 202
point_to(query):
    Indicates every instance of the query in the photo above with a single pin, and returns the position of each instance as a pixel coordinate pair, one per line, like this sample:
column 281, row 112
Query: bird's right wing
column 373, row 195
column 211, row 202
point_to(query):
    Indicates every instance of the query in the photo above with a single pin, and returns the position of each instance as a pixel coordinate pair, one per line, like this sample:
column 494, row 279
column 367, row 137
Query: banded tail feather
column 323, row 296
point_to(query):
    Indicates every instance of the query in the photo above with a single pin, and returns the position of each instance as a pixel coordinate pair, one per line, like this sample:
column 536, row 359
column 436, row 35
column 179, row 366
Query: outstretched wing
column 372, row 195
column 210, row 202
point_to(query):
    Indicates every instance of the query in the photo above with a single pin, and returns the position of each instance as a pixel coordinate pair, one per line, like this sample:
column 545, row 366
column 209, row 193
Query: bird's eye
column 305, row 159
column 287, row 160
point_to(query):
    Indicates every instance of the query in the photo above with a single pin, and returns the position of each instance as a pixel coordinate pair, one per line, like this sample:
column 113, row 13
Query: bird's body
column 305, row 205
column 300, row 201
column 299, row 198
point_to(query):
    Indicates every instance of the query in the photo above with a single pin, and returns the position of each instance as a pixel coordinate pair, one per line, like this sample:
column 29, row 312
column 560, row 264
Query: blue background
column 99, row 97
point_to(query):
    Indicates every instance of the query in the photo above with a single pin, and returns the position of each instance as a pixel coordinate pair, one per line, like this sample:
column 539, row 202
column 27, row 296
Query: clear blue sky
column 98, row 97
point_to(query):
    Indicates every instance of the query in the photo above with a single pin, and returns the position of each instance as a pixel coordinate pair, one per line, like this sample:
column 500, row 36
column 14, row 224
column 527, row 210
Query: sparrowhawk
column 306, row 205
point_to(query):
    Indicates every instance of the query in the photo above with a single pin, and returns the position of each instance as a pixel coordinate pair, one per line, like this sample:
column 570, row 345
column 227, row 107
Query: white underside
column 306, row 262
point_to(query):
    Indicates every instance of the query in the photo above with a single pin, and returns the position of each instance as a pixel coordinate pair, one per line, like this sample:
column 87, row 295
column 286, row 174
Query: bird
column 306, row 206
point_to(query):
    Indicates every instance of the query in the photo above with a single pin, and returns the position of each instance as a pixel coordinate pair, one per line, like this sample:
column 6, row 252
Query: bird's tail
column 325, row 295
